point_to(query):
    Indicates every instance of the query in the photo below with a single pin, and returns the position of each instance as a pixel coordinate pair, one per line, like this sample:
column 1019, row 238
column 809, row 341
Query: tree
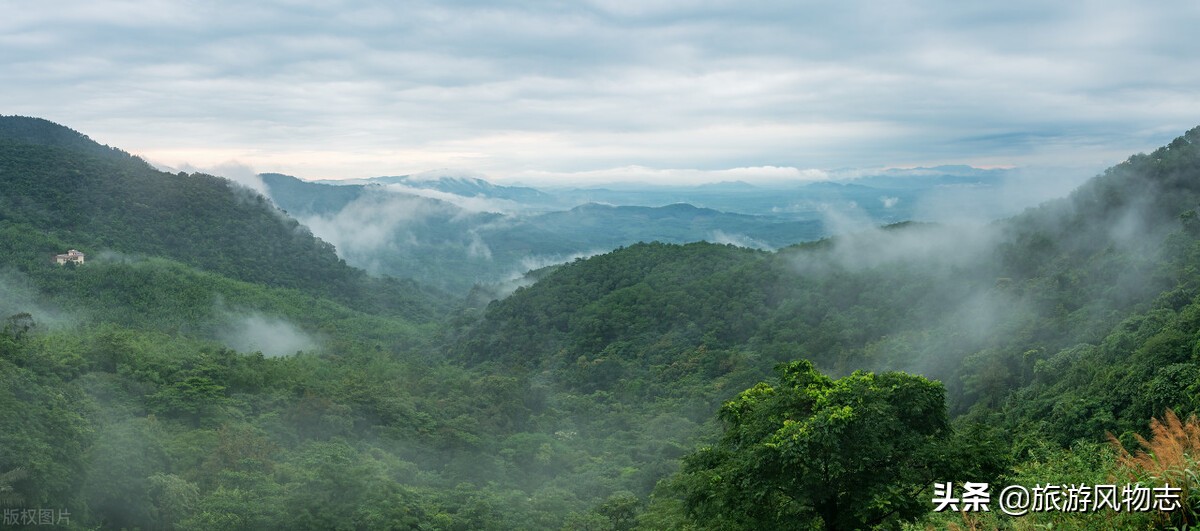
column 8, row 495
column 813, row 452
column 19, row 325
column 194, row 398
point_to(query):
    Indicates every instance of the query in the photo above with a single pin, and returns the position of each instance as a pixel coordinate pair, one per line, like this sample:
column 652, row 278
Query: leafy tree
column 19, row 325
column 811, row 451
column 8, row 495
column 194, row 398
column 174, row 497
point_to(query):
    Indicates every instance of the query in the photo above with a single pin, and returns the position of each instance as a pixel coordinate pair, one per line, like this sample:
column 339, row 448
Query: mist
column 18, row 295
column 721, row 237
column 977, row 289
column 372, row 222
column 1018, row 189
column 521, row 276
column 477, row 204
column 257, row 332
column 238, row 172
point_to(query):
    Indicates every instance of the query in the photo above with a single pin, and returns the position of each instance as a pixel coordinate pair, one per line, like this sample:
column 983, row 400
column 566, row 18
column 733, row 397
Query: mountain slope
column 1048, row 330
column 100, row 200
column 975, row 307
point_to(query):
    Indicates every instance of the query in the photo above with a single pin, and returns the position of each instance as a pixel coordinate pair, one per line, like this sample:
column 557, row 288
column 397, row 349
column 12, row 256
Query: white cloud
column 273, row 336
column 233, row 170
column 469, row 204
column 353, row 89
column 739, row 240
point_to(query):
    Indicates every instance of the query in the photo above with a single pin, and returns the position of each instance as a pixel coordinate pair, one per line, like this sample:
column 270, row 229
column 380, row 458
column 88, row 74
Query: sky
column 607, row 90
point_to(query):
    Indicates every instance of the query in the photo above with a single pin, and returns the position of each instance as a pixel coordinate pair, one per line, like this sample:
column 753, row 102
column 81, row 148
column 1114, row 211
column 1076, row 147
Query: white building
column 71, row 256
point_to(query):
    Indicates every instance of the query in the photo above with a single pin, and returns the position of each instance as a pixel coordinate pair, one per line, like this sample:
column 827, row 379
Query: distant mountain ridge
column 886, row 195
column 398, row 231
column 433, row 231
column 461, row 185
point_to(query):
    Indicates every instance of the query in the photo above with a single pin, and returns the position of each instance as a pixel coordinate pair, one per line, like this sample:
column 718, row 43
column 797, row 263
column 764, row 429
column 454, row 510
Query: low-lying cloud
column 18, row 295
column 373, row 222
column 233, row 170
column 469, row 204
column 1019, row 188
column 258, row 332
column 721, row 237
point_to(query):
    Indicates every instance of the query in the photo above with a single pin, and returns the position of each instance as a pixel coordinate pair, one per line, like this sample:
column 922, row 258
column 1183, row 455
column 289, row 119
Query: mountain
column 208, row 345
column 390, row 232
column 101, row 200
column 1049, row 330
column 1044, row 280
column 467, row 231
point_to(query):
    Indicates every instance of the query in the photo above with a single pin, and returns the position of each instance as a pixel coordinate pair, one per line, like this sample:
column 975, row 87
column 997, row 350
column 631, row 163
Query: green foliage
column 812, row 452
column 44, row 423
column 195, row 398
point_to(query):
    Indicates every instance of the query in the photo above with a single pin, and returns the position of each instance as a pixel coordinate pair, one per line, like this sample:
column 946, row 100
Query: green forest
column 213, row 365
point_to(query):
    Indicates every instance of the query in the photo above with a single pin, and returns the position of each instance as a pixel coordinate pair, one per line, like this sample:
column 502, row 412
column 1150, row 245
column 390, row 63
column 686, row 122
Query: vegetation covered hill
column 909, row 296
column 104, row 202
column 615, row 392
column 1060, row 325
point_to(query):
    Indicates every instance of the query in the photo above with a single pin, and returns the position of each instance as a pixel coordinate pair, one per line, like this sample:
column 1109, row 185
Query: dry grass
column 1171, row 455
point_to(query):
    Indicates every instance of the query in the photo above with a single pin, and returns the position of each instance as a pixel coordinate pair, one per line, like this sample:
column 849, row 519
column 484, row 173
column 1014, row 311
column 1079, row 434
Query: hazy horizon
column 628, row 178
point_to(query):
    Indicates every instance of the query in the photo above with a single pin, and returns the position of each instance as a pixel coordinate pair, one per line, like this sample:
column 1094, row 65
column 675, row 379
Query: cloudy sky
column 651, row 89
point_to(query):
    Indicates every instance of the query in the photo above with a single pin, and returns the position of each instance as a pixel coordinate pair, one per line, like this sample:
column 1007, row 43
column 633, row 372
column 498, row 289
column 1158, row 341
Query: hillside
column 186, row 378
column 914, row 296
column 104, row 202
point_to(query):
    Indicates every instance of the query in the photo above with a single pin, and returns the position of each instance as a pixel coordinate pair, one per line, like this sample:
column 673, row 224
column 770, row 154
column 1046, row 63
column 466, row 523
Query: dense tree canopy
column 811, row 451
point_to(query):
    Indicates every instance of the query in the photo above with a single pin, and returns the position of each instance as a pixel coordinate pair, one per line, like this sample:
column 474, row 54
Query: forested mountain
column 58, row 183
column 213, row 365
column 1064, row 323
